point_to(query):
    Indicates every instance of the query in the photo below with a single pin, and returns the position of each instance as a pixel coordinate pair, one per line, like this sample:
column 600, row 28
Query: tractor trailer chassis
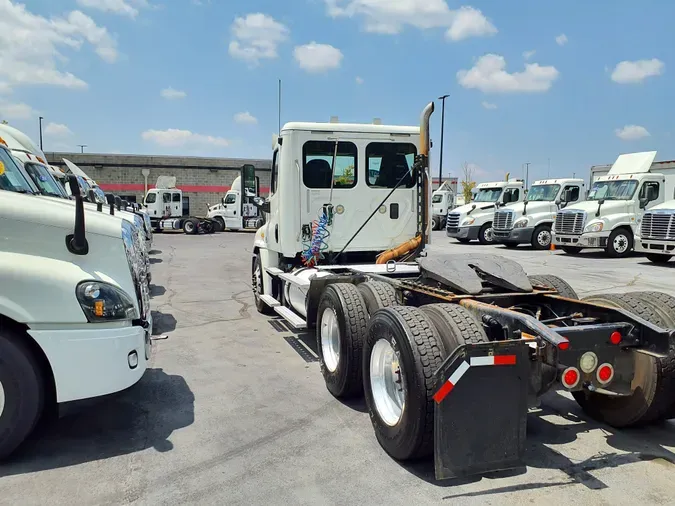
column 517, row 338
column 190, row 225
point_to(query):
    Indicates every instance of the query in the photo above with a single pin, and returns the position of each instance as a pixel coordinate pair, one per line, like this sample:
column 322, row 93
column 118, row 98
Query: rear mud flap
column 481, row 409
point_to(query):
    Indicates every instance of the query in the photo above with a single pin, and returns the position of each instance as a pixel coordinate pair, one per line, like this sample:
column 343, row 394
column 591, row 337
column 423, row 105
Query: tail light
column 570, row 377
column 605, row 374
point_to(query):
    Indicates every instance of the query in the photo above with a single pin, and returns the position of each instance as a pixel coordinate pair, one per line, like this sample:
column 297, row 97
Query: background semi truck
column 237, row 210
column 609, row 218
column 474, row 220
column 531, row 221
column 75, row 315
column 656, row 236
column 443, row 200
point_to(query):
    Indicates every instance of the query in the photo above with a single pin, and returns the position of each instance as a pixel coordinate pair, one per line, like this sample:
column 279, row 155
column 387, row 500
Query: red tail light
column 570, row 377
column 564, row 345
column 615, row 337
column 605, row 374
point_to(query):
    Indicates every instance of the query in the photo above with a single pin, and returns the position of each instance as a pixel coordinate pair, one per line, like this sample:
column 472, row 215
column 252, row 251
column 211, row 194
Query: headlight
column 103, row 302
column 468, row 221
column 522, row 222
column 594, row 227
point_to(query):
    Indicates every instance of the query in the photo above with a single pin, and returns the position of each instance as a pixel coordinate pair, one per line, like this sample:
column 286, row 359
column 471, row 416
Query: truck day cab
column 531, row 221
column 609, row 217
column 656, row 236
column 443, row 201
column 237, row 210
column 474, row 220
column 74, row 305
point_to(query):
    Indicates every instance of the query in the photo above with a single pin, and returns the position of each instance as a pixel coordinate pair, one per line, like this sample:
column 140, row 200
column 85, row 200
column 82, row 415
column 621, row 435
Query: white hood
column 591, row 206
column 668, row 205
column 480, row 207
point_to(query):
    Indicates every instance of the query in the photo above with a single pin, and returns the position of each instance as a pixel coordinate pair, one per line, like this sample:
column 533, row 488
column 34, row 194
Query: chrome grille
column 570, row 222
column 503, row 220
column 658, row 225
column 453, row 220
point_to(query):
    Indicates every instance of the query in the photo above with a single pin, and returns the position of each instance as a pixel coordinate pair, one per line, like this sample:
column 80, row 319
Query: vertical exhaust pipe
column 425, row 148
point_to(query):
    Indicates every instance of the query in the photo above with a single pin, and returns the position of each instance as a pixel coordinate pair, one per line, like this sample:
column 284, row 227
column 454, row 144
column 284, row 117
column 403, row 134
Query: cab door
column 231, row 207
column 176, row 204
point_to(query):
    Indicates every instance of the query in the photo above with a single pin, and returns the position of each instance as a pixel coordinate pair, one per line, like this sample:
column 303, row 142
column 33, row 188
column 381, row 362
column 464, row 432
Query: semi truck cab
column 237, row 210
column 474, row 220
column 531, row 221
column 656, row 233
column 442, row 202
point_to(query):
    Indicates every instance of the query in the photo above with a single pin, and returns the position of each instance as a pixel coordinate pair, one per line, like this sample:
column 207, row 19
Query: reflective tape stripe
column 454, row 377
column 447, row 387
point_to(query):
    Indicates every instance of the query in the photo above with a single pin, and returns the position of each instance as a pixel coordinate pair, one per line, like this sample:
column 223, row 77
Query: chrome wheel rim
column 330, row 339
column 544, row 238
column 620, row 243
column 488, row 234
column 2, row 399
column 189, row 226
column 387, row 382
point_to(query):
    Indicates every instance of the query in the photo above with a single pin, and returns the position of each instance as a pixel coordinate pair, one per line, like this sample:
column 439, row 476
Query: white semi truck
column 74, row 305
column 237, row 210
column 474, row 220
column 531, row 221
column 616, row 202
column 656, row 233
column 449, row 351
column 443, row 201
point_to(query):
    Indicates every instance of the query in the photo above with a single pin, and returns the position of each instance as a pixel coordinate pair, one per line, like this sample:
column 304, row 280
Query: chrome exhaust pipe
column 425, row 148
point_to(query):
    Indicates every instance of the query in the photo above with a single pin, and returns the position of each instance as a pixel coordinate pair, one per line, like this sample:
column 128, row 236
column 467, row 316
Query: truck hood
column 480, row 206
column 532, row 207
column 668, row 205
column 591, row 206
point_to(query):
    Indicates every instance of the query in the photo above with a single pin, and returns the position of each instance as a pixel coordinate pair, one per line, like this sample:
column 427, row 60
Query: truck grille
column 453, row 221
column 503, row 220
column 658, row 225
column 570, row 222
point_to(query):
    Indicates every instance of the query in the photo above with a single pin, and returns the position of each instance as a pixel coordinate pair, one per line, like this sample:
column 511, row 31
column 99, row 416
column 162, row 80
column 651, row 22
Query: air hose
column 313, row 250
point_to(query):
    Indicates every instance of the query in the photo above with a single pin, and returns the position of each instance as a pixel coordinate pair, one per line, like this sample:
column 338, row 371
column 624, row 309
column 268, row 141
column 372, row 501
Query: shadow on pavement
column 162, row 322
column 157, row 290
column 155, row 260
column 669, row 265
column 143, row 416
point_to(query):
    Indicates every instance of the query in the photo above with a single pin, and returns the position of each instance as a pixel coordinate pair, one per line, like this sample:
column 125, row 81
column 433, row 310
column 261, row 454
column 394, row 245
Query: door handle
column 276, row 233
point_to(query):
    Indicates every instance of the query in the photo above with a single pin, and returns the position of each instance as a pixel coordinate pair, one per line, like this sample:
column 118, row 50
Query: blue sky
column 200, row 77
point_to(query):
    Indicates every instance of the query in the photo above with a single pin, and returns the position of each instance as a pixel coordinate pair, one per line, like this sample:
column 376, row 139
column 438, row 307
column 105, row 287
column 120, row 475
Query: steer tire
column 485, row 234
column 258, row 288
column 22, row 393
column 652, row 394
column 455, row 325
column 611, row 251
column 377, row 294
column 435, row 223
column 191, row 226
column 218, row 224
column 410, row 332
column 560, row 285
column 351, row 317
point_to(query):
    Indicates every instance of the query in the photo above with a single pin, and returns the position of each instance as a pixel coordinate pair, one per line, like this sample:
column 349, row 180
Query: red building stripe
column 140, row 188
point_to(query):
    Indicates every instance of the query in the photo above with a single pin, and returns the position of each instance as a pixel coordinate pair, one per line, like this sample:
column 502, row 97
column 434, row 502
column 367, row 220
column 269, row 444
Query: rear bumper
column 470, row 233
column 581, row 241
column 653, row 246
column 516, row 235
column 93, row 361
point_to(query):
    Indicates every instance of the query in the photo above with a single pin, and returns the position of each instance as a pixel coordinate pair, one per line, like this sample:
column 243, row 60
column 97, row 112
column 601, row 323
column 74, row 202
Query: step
column 269, row 300
column 273, row 271
column 297, row 322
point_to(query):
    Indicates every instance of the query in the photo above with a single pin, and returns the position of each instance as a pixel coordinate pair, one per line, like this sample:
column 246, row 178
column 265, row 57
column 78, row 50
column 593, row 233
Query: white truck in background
column 237, row 210
column 609, row 218
column 531, row 221
column 656, row 233
column 75, row 317
column 443, row 201
column 474, row 220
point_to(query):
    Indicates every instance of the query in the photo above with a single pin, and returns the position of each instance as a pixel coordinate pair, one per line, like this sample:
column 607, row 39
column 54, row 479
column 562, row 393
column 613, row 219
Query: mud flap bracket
column 481, row 409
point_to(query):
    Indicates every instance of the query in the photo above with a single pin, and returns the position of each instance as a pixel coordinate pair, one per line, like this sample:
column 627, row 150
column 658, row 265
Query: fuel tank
column 296, row 294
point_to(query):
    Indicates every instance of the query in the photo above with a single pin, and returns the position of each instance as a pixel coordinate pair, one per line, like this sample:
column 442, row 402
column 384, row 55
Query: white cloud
column 115, row 6
column 5, row 88
column 528, row 54
column 488, row 105
column 561, row 39
column 245, row 118
column 392, row 16
column 15, row 111
column 256, row 37
column 315, row 57
column 628, row 72
column 31, row 45
column 182, row 138
column 359, row 80
column 171, row 94
column 57, row 130
column 631, row 132
column 489, row 75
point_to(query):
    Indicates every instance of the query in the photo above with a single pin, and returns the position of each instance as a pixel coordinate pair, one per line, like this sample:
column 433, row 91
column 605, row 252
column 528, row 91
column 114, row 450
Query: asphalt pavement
column 233, row 410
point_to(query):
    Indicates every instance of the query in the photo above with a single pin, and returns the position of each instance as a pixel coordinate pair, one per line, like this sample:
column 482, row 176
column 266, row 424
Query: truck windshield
column 100, row 195
column 437, row 199
column 11, row 177
column 543, row 193
column 44, row 180
column 487, row 195
column 613, row 190
column 151, row 198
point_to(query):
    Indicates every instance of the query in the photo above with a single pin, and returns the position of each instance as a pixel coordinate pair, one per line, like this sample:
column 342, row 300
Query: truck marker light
column 447, row 387
column 605, row 373
column 2, row 141
column 99, row 307
column 615, row 337
column 2, row 168
column 570, row 377
column 340, row 209
column 564, row 345
column 588, row 362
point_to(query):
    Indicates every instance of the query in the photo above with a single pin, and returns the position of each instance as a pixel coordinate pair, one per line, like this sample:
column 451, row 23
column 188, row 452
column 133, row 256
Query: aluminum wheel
column 544, row 238
column 387, row 382
column 2, row 399
column 330, row 339
column 189, row 227
column 488, row 234
column 621, row 243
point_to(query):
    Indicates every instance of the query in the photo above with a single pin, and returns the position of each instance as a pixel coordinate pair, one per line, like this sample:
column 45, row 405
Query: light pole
column 82, row 146
column 440, row 161
column 527, row 173
column 41, row 148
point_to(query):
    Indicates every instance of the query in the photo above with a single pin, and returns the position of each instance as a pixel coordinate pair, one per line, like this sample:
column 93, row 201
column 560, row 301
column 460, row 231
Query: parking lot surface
column 233, row 410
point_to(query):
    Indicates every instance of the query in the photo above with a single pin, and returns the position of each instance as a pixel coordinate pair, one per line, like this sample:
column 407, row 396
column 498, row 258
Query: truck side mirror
column 261, row 204
column 651, row 195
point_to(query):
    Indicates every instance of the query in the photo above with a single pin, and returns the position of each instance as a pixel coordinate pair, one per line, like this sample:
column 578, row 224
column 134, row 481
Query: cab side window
column 574, row 193
column 275, row 172
column 512, row 195
column 230, row 199
column 176, row 197
column 643, row 190
column 317, row 164
column 166, row 198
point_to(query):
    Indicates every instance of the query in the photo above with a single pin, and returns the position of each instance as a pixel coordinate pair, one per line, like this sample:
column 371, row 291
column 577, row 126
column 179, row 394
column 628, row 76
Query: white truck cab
column 75, row 317
column 443, row 201
column 531, row 221
column 236, row 210
column 609, row 218
column 656, row 233
column 474, row 220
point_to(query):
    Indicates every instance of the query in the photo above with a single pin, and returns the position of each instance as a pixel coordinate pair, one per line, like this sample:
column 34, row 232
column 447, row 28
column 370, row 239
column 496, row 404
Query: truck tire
column 463, row 240
column 434, row 223
column 651, row 397
column 21, row 392
column 341, row 323
column 510, row 245
column 455, row 325
column 541, row 237
column 485, row 234
column 571, row 250
column 258, row 287
column 560, row 285
column 377, row 294
column 657, row 258
column 620, row 243
column 219, row 224
column 191, row 226
column 402, row 350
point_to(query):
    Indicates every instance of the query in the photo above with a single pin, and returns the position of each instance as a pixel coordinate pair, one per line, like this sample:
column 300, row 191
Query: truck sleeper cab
column 74, row 305
column 531, row 221
column 474, row 220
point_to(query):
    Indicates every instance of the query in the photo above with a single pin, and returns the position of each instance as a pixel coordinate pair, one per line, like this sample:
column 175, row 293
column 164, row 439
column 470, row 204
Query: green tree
column 347, row 177
column 468, row 184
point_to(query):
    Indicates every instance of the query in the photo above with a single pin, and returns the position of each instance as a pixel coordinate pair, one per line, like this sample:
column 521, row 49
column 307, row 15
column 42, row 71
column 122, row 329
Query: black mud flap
column 481, row 409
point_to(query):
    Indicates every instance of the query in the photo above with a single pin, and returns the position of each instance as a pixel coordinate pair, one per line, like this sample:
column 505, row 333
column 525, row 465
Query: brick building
column 204, row 181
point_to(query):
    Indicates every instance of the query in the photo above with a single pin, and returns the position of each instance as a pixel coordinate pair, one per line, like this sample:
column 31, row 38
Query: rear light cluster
column 588, row 363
